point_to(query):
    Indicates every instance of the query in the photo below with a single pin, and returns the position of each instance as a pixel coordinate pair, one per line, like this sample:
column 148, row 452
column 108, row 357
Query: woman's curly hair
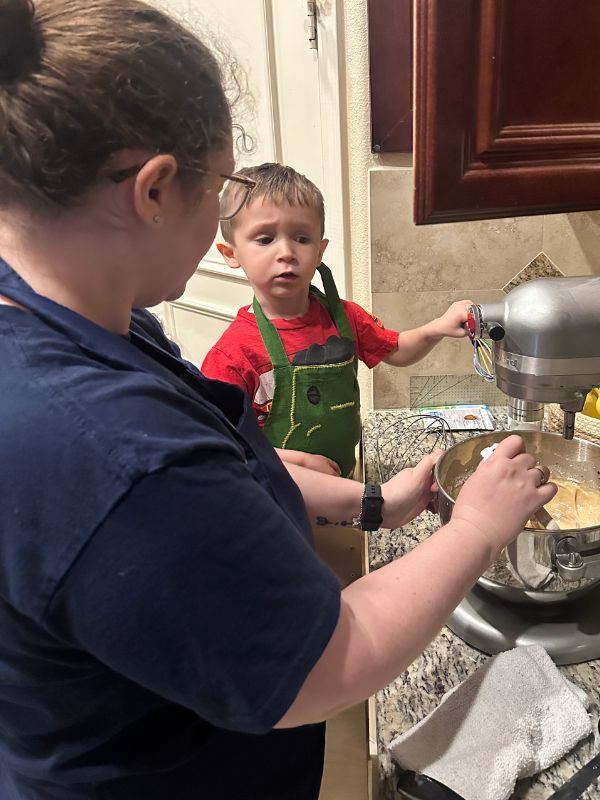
column 81, row 80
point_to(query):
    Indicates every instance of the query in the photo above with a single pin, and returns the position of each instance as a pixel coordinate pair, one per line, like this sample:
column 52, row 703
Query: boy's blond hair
column 275, row 182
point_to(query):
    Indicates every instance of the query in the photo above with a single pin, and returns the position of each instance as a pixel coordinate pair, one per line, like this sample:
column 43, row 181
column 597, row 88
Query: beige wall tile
column 391, row 387
column 572, row 242
column 455, row 256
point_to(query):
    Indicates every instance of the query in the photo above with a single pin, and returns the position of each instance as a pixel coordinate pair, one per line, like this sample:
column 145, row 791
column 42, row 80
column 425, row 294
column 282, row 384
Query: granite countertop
column 389, row 445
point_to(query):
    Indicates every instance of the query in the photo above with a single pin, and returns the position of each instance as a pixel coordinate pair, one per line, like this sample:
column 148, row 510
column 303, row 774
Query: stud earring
column 156, row 218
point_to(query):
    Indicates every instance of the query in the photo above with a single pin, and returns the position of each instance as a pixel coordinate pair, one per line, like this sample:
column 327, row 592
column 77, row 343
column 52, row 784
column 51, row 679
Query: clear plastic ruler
column 439, row 390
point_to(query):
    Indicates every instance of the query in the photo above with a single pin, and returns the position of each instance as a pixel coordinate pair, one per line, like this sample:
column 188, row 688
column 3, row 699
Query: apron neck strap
column 333, row 302
column 330, row 299
column 270, row 336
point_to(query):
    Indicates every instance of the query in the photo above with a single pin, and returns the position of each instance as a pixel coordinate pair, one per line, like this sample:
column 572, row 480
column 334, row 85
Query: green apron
column 316, row 406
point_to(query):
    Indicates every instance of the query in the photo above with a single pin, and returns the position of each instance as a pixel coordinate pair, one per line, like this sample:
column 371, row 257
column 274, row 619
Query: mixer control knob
column 496, row 332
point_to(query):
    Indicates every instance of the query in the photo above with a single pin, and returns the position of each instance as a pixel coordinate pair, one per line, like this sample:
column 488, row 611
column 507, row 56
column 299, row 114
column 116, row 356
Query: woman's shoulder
column 77, row 435
column 59, row 396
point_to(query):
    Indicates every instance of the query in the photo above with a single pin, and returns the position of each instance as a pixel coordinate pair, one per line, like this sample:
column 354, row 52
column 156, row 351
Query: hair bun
column 19, row 39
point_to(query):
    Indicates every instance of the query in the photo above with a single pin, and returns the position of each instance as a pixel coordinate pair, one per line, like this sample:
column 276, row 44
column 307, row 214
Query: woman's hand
column 502, row 493
column 309, row 461
column 409, row 492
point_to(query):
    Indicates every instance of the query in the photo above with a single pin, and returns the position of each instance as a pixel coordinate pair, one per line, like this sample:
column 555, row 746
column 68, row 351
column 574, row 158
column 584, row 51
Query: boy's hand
column 320, row 464
column 414, row 344
column 452, row 322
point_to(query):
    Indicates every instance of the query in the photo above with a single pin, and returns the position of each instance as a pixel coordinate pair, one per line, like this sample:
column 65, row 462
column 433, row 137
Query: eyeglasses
column 247, row 184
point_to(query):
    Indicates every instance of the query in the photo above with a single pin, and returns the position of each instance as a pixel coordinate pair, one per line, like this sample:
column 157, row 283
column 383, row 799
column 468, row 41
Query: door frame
column 328, row 25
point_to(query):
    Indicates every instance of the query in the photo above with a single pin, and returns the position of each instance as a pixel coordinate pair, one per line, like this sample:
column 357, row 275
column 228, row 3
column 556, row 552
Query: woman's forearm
column 329, row 500
column 387, row 618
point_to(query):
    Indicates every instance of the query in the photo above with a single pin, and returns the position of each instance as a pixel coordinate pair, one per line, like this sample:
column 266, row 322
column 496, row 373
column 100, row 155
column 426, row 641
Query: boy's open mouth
column 286, row 276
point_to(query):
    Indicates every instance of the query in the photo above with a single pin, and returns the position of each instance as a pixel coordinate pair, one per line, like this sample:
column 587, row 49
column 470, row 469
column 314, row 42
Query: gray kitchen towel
column 515, row 716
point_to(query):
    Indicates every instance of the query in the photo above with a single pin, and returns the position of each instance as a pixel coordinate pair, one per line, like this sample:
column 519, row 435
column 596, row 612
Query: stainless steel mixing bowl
column 540, row 566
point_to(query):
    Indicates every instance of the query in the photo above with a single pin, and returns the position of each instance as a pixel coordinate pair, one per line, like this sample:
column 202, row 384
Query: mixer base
column 569, row 631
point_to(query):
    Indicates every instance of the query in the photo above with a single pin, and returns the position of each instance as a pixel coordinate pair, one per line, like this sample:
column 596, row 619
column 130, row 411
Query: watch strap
column 372, row 503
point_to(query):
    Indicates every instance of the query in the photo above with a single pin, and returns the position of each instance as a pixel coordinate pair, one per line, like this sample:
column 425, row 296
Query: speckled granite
column 540, row 267
column 448, row 660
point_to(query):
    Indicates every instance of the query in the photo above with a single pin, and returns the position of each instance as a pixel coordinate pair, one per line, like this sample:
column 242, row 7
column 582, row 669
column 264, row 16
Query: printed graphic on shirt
column 336, row 350
column 263, row 399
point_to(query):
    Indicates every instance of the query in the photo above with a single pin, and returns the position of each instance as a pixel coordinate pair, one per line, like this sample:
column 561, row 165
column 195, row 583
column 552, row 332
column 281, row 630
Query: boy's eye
column 303, row 239
column 264, row 239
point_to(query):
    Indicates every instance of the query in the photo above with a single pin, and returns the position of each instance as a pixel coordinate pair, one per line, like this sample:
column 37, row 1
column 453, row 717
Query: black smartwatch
column 370, row 510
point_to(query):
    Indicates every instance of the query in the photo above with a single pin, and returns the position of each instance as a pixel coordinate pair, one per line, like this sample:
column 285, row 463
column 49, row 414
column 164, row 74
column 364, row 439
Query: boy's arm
column 309, row 461
column 413, row 345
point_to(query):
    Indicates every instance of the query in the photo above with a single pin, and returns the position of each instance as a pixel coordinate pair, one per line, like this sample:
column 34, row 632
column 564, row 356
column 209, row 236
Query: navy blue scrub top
column 160, row 600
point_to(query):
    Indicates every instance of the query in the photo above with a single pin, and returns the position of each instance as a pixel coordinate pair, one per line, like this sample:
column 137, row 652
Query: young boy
column 295, row 350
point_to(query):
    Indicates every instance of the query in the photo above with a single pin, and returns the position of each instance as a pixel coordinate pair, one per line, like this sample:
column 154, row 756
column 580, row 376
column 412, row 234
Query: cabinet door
column 507, row 118
column 391, row 75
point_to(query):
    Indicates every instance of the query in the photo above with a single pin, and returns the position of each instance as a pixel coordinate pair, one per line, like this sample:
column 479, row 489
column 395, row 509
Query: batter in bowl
column 573, row 506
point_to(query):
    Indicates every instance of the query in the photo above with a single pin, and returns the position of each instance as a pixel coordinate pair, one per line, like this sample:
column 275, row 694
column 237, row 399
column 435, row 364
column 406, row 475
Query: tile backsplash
column 417, row 271
column 540, row 267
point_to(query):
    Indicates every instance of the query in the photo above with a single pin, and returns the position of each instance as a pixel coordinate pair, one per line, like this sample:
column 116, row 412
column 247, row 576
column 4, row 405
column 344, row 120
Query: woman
column 166, row 630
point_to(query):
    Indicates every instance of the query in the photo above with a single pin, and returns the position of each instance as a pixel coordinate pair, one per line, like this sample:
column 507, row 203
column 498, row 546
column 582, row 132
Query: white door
column 294, row 119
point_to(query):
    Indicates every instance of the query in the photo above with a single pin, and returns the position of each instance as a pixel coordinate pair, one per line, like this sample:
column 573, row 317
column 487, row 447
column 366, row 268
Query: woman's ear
column 228, row 253
column 154, row 189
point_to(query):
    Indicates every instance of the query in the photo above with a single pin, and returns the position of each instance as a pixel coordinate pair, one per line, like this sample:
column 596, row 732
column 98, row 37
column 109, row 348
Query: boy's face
column 278, row 246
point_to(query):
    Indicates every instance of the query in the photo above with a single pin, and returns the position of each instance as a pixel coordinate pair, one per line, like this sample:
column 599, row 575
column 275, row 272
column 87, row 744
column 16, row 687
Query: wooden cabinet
column 507, row 107
column 391, row 59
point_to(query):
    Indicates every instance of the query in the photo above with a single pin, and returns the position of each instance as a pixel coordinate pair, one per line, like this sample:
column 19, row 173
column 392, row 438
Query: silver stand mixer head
column 546, row 336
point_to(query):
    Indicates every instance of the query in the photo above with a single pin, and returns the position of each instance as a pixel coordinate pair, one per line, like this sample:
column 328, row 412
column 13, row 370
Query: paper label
column 463, row 417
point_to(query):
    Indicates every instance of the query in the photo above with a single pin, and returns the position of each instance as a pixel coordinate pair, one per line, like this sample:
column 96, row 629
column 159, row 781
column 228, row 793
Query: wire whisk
column 407, row 439
column 483, row 359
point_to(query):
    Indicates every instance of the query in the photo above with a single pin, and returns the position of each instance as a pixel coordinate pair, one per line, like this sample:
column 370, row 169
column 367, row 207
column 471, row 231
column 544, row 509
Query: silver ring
column 544, row 473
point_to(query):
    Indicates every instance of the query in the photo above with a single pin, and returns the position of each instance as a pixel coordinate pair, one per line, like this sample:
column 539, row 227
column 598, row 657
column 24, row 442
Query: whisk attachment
column 483, row 360
column 407, row 439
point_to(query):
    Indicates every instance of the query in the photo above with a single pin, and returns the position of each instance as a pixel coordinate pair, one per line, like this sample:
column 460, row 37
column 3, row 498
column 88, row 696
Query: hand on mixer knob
column 505, row 489
column 452, row 322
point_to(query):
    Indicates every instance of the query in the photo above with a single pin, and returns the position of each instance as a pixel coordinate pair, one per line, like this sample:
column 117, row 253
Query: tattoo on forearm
column 347, row 523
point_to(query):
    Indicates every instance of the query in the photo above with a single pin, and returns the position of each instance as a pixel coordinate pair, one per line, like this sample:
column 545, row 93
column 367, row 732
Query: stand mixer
column 546, row 336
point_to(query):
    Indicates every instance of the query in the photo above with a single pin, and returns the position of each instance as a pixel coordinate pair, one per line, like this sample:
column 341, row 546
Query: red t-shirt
column 240, row 357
